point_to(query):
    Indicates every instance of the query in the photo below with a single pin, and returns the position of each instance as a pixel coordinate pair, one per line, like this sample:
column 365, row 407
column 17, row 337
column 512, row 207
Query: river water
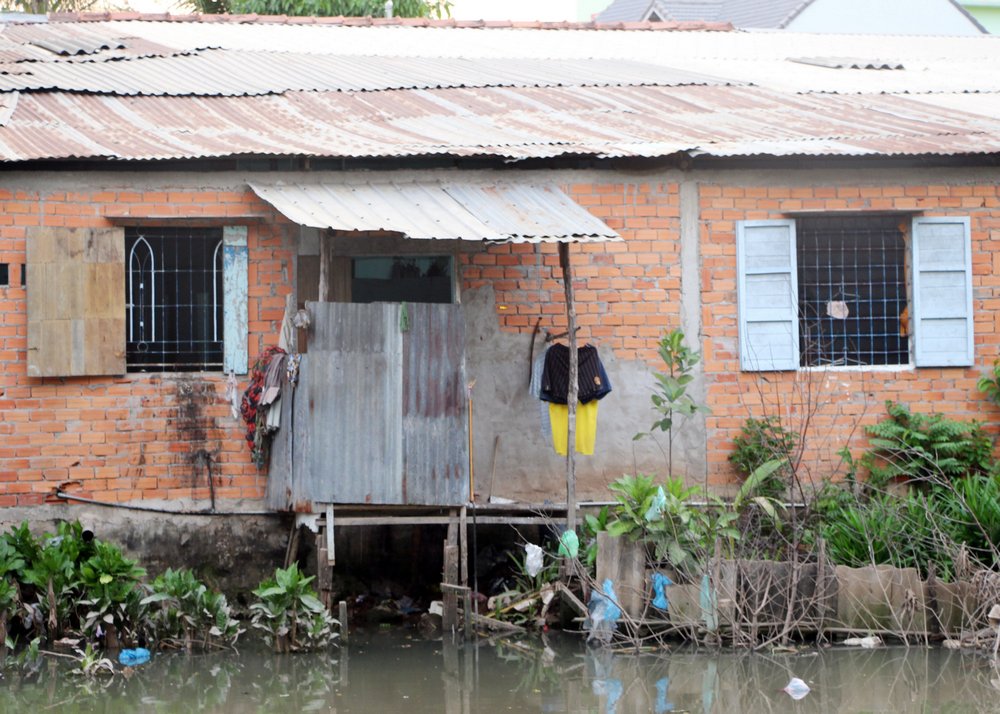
column 399, row 672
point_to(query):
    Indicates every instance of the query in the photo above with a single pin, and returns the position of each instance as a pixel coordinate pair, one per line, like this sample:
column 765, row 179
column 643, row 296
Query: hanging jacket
column 592, row 379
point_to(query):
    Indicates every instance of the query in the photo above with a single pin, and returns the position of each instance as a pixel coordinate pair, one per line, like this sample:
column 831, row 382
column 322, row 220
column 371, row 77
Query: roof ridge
column 388, row 22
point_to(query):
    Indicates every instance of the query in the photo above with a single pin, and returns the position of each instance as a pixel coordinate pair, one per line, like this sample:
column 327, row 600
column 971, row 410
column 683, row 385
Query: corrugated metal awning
column 514, row 213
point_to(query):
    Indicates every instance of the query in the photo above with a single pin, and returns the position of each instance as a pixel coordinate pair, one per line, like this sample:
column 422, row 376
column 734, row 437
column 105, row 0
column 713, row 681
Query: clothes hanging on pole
column 534, row 389
column 586, row 427
column 592, row 379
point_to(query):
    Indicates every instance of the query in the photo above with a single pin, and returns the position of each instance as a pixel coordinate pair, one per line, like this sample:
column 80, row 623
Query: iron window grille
column 852, row 291
column 174, row 299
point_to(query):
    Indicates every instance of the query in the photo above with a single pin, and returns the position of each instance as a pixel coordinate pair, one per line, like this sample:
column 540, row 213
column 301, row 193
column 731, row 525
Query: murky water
column 394, row 672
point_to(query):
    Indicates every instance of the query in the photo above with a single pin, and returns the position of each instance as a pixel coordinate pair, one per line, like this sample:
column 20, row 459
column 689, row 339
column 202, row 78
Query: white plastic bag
column 533, row 563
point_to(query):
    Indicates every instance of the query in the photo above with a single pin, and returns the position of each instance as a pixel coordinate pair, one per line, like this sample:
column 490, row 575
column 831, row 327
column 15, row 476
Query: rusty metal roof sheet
column 235, row 73
column 507, row 212
column 513, row 123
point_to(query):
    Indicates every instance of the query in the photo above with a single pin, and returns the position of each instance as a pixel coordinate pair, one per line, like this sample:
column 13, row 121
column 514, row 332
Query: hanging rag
column 233, row 395
column 535, row 390
column 253, row 413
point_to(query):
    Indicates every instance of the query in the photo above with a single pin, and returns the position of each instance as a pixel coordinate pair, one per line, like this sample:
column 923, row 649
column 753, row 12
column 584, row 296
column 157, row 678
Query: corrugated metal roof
column 235, row 73
column 510, row 93
column 505, row 122
column 498, row 212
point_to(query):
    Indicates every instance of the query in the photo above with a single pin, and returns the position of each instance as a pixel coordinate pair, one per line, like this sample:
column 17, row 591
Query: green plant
column 659, row 515
column 90, row 663
column 760, row 441
column 111, row 595
column 670, row 396
column 186, row 612
column 919, row 447
column 54, row 575
column 906, row 532
column 290, row 614
column 592, row 525
column 972, row 507
column 989, row 383
column 11, row 564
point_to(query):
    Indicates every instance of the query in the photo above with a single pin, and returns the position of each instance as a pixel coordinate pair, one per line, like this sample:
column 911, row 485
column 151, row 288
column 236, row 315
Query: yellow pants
column 586, row 427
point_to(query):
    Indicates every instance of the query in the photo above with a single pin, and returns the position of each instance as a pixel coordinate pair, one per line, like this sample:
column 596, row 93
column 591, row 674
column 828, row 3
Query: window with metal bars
column 174, row 299
column 852, row 291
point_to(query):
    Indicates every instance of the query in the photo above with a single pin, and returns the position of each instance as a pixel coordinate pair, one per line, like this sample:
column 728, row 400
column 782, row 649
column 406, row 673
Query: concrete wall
column 232, row 553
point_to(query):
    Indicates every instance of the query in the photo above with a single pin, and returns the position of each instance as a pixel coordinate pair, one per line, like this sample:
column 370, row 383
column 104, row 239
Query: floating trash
column 796, row 688
column 133, row 658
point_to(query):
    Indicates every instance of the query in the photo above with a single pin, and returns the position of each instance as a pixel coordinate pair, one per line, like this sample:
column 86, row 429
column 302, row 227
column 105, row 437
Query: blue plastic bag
column 655, row 510
column 604, row 612
column 133, row 658
column 660, row 583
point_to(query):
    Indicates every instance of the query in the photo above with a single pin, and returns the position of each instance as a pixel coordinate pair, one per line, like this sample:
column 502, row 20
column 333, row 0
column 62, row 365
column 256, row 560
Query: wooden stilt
column 324, row 572
column 342, row 616
column 449, row 618
column 467, row 613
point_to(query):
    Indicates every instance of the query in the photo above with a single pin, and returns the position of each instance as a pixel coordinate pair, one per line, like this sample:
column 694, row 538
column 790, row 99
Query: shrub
column 920, row 447
column 760, row 441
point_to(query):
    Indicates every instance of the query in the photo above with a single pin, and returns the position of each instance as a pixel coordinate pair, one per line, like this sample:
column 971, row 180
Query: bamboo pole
column 573, row 390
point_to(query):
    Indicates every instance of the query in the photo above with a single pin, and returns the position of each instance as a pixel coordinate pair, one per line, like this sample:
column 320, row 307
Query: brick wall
column 138, row 436
column 626, row 293
column 832, row 406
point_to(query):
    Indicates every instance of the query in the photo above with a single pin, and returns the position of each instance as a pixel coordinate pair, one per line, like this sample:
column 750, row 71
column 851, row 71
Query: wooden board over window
column 76, row 301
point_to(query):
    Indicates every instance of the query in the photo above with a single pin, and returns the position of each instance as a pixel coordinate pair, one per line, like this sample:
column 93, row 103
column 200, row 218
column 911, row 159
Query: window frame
column 141, row 263
column 939, row 286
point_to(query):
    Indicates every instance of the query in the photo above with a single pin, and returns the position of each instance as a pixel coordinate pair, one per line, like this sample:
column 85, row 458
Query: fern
column 914, row 447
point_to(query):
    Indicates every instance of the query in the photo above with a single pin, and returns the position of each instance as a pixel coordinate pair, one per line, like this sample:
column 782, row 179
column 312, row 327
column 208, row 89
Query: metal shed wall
column 380, row 415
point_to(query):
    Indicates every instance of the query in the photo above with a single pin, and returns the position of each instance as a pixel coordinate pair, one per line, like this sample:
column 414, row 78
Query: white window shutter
column 942, row 292
column 768, row 295
column 234, row 307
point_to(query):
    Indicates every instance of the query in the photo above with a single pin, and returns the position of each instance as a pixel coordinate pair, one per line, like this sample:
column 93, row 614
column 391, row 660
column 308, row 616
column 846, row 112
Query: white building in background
column 883, row 17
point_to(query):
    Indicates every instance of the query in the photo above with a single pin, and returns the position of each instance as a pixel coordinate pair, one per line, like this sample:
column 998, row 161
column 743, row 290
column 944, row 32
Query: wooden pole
column 573, row 389
column 323, row 289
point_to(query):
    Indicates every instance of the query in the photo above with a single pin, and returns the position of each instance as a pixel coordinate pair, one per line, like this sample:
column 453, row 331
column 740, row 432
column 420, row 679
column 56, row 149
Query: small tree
column 324, row 8
column 670, row 398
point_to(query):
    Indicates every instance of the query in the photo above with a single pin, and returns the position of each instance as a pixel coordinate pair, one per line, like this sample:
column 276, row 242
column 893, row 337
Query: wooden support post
column 324, row 573
column 342, row 616
column 449, row 618
column 467, row 613
column 573, row 387
column 292, row 549
column 323, row 289
column 331, row 550
column 452, row 527
column 344, row 656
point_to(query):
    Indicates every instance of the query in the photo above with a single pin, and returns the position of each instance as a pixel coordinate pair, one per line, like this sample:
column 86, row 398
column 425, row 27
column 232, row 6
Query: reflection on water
column 388, row 672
